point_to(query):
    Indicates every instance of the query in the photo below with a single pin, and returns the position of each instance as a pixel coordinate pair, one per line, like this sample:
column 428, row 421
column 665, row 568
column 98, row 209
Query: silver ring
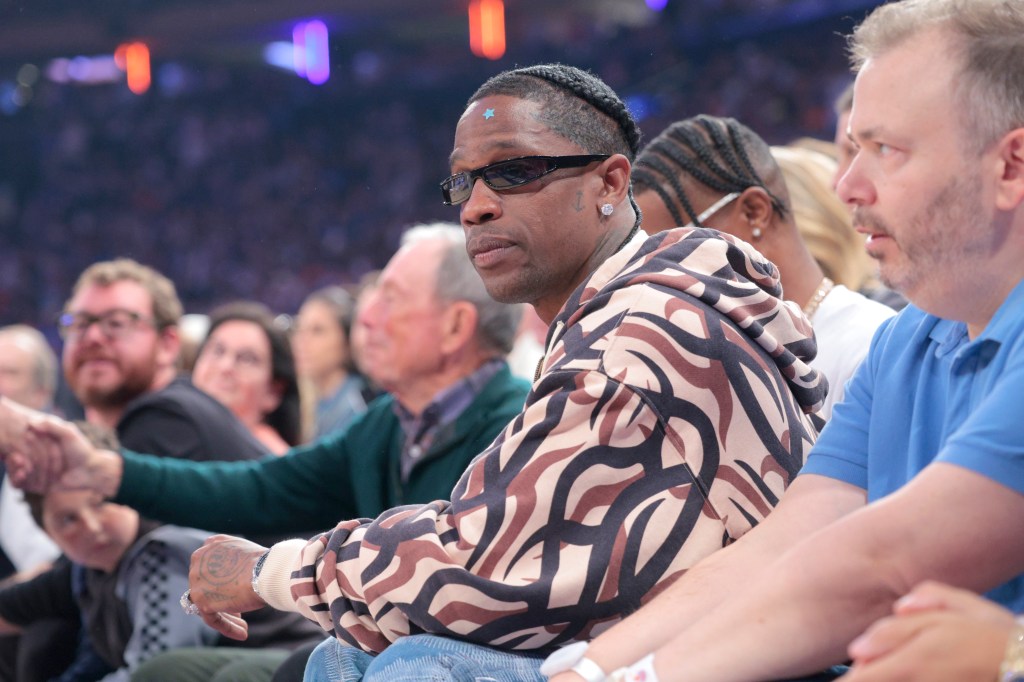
column 187, row 605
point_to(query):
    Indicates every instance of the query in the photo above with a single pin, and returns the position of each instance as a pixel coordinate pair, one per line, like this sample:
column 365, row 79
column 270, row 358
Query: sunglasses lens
column 456, row 189
column 515, row 172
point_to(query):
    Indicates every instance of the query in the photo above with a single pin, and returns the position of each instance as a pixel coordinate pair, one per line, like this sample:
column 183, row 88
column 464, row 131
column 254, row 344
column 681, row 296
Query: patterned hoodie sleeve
column 670, row 416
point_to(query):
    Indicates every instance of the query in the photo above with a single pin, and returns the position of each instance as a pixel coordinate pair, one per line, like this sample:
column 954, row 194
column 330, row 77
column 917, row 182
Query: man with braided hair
column 669, row 413
column 716, row 172
column 669, row 409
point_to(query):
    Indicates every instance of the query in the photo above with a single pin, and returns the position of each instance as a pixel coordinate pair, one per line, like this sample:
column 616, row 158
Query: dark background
column 241, row 180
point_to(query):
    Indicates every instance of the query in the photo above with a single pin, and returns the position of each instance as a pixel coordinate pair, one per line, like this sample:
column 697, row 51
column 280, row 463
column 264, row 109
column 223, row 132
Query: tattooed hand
column 220, row 578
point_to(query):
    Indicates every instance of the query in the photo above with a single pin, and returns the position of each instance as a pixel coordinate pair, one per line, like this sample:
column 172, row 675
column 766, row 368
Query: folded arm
column 811, row 503
column 800, row 614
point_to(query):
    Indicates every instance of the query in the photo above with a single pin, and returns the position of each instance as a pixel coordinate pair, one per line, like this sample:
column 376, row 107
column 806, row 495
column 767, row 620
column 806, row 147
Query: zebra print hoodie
column 672, row 410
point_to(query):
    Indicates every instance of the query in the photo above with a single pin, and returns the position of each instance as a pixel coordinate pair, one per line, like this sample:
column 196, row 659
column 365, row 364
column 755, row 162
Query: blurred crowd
column 250, row 183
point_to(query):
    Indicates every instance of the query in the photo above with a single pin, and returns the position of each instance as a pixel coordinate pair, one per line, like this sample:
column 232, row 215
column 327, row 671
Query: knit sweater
column 351, row 474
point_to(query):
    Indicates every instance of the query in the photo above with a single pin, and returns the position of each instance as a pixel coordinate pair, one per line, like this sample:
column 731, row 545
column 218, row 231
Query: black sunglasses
column 510, row 173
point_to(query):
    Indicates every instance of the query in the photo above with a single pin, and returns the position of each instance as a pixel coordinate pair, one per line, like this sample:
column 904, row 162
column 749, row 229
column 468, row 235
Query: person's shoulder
column 179, row 396
column 180, row 420
column 505, row 383
column 380, row 413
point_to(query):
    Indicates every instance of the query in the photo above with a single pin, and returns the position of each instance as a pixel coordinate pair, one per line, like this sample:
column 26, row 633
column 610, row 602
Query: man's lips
column 94, row 362
column 866, row 224
column 487, row 251
column 870, row 231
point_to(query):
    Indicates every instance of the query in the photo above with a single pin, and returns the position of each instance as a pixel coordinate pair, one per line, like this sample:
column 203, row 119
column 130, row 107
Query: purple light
column 656, row 5
column 299, row 48
column 311, row 53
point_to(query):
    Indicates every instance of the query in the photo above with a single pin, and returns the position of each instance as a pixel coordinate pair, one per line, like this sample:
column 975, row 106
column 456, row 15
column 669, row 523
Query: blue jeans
column 429, row 658
column 422, row 658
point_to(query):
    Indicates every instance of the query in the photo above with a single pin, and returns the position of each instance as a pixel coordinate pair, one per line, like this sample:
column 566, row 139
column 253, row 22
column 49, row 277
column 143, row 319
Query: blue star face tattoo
column 489, row 113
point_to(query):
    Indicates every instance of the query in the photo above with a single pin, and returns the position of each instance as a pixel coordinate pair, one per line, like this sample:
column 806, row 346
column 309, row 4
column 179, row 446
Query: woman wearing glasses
column 246, row 363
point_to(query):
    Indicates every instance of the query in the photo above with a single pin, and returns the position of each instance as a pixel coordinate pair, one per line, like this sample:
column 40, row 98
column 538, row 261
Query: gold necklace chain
column 823, row 289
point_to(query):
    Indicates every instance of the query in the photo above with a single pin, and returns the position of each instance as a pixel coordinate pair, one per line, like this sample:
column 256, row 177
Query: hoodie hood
column 721, row 272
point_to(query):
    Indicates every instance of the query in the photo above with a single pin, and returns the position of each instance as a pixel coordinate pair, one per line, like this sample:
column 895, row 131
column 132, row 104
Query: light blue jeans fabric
column 429, row 658
column 422, row 658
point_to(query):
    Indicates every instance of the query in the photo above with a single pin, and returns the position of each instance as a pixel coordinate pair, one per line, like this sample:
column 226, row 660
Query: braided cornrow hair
column 719, row 153
column 578, row 105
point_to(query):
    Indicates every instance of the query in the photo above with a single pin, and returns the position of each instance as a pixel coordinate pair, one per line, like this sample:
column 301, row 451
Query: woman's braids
column 719, row 153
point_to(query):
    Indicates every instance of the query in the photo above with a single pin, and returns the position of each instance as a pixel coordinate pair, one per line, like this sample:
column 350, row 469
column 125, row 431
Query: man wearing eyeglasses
column 121, row 343
column 120, row 355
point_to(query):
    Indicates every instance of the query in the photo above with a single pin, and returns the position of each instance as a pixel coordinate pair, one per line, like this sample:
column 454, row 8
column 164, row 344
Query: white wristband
column 573, row 658
column 641, row 671
column 589, row 670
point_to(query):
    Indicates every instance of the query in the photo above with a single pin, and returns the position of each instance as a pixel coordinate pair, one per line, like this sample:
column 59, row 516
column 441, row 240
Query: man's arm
column 811, row 503
column 50, row 453
column 47, row 595
column 305, row 489
column 565, row 522
column 948, row 524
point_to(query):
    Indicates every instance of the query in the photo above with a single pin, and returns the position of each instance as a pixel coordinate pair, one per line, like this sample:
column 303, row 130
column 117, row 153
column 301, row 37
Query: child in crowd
column 120, row 576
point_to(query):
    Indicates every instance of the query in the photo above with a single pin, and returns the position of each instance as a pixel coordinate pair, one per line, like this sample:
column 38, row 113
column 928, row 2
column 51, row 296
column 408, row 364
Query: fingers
column 231, row 625
column 891, row 669
column 886, row 635
column 219, row 538
column 47, row 461
column 19, row 469
column 931, row 596
column 928, row 596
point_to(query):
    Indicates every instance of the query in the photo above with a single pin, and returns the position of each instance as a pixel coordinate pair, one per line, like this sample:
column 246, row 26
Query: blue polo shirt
column 924, row 393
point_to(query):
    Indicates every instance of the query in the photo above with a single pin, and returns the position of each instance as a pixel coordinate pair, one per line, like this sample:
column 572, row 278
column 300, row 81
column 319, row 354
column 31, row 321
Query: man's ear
column 458, row 326
column 615, row 179
column 754, row 206
column 1010, row 184
column 168, row 346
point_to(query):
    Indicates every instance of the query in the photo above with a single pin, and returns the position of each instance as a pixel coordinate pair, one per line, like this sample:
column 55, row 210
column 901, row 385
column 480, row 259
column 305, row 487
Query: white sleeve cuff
column 275, row 577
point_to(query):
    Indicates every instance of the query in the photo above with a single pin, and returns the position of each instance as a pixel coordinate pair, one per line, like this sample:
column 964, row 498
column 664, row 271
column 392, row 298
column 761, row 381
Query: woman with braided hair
column 716, row 172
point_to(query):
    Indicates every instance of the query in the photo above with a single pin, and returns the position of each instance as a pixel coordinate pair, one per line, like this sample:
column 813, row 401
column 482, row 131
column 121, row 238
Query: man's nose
column 853, row 187
column 483, row 205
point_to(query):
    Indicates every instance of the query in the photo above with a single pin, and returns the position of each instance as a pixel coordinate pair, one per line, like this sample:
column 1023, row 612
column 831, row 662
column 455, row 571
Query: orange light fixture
column 133, row 59
column 487, row 28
